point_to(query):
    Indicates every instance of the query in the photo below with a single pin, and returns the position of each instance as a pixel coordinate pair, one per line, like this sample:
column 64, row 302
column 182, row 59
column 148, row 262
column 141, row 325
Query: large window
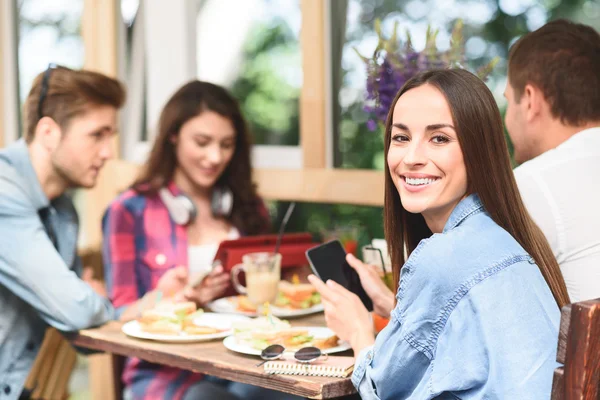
column 360, row 224
column 49, row 31
column 34, row 34
column 490, row 28
column 252, row 47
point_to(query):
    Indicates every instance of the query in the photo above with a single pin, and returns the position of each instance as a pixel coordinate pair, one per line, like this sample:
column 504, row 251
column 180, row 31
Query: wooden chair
column 105, row 369
column 51, row 371
column 579, row 352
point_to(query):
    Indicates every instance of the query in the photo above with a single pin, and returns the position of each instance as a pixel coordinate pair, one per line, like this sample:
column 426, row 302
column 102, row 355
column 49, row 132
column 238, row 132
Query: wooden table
column 212, row 358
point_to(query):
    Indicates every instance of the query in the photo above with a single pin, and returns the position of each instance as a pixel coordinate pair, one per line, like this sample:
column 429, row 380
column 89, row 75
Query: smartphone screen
column 328, row 261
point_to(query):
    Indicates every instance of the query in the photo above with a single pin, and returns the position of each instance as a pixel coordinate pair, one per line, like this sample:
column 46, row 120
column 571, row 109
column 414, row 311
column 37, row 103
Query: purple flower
column 388, row 71
column 372, row 125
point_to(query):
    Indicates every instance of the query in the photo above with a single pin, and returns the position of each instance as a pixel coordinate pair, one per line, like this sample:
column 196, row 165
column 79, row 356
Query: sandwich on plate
column 262, row 332
column 291, row 295
column 170, row 318
column 297, row 296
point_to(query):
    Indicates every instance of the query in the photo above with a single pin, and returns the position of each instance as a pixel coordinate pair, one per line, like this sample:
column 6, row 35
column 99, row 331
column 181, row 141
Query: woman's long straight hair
column 191, row 100
column 481, row 137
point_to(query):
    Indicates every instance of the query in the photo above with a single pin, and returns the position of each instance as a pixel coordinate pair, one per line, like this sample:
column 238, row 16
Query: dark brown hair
column 69, row 93
column 562, row 59
column 481, row 137
column 188, row 102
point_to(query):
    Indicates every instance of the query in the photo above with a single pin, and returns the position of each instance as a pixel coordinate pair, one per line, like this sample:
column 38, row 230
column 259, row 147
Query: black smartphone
column 328, row 261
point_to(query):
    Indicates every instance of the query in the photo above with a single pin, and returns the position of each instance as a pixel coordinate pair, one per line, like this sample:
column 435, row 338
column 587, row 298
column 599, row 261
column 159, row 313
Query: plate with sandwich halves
column 181, row 323
column 251, row 337
column 293, row 300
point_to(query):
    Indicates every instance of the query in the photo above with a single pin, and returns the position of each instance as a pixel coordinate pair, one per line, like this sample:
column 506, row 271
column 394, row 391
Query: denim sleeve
column 393, row 368
column 361, row 378
column 33, row 270
column 503, row 353
column 78, row 267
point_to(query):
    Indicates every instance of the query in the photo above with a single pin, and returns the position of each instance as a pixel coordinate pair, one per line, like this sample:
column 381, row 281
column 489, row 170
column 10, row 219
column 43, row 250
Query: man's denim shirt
column 474, row 319
column 38, row 285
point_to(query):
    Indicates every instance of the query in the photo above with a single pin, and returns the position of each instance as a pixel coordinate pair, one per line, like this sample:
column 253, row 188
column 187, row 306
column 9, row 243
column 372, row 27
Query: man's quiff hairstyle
column 562, row 59
column 70, row 93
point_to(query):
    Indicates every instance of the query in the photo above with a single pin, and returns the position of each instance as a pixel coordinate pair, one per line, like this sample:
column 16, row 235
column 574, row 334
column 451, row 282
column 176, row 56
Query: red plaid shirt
column 141, row 243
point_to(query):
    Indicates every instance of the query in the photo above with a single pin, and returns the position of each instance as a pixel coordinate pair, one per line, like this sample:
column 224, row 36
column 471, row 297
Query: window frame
column 9, row 98
column 312, row 181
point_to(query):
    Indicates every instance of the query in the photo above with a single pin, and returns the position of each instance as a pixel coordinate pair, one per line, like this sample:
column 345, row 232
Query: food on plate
column 327, row 342
column 244, row 304
column 297, row 295
column 291, row 295
column 261, row 332
column 161, row 322
column 191, row 328
column 170, row 318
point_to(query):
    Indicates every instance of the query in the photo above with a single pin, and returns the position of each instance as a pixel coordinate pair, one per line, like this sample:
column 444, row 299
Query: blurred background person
column 199, row 168
column 69, row 121
column 553, row 119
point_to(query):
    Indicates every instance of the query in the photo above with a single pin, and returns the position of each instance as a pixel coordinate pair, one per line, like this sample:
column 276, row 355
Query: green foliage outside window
column 266, row 96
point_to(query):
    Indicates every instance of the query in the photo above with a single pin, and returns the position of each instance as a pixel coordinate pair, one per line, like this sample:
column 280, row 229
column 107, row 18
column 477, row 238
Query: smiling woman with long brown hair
column 479, row 276
column 162, row 234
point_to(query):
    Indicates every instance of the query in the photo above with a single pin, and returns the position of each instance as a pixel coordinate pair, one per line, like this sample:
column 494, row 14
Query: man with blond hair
column 69, row 120
column 553, row 119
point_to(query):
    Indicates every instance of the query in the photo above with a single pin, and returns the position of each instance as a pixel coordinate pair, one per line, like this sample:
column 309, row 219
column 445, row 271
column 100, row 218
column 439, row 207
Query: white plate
column 319, row 332
column 228, row 305
column 219, row 321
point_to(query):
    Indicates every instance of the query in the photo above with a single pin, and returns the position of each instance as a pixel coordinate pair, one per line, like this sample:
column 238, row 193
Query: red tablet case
column 293, row 247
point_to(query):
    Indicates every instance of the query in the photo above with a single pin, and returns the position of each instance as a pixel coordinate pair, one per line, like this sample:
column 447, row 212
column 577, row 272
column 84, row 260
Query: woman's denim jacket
column 474, row 319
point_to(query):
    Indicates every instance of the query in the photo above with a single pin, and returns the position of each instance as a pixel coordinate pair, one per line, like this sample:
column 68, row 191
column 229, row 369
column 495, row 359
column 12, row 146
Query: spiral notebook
column 336, row 367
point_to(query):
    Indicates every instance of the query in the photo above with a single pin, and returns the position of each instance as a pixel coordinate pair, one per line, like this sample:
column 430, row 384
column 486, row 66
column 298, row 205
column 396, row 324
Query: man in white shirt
column 553, row 120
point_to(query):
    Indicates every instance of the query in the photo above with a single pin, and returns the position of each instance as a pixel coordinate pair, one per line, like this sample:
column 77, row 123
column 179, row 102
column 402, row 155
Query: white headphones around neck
column 183, row 211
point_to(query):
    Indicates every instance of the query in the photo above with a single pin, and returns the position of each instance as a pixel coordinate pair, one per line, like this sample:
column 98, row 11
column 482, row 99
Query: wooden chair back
column 579, row 352
column 49, row 377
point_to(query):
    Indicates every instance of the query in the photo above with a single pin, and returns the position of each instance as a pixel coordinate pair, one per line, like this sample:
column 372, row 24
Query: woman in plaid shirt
column 203, row 150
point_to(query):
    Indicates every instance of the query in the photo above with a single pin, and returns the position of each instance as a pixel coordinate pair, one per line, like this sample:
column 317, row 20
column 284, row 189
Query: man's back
column 561, row 191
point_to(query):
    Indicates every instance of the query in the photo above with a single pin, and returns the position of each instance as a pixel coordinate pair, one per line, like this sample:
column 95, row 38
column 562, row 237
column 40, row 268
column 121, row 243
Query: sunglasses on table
column 305, row 355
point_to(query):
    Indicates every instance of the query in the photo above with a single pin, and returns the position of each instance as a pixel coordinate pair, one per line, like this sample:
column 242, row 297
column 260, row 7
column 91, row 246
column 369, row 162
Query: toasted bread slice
column 326, row 343
column 278, row 336
column 154, row 315
column 166, row 318
column 297, row 292
column 190, row 327
column 182, row 308
column 200, row 330
column 163, row 327
column 245, row 305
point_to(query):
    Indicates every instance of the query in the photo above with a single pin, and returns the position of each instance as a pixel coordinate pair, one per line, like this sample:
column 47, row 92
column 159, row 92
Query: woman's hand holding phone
column 373, row 284
column 210, row 287
column 345, row 314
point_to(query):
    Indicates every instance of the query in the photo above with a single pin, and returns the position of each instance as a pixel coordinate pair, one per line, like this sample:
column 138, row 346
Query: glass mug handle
column 235, row 271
